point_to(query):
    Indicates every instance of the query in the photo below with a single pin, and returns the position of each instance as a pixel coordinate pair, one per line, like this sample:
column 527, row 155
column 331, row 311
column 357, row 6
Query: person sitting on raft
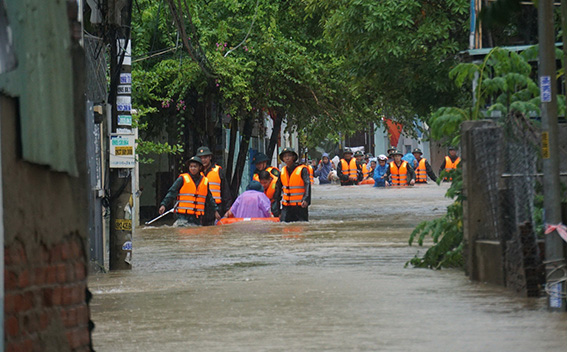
column 194, row 198
column 253, row 203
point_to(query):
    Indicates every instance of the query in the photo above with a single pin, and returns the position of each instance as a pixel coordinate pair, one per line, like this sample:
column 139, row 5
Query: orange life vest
column 349, row 168
column 191, row 199
column 215, row 183
column 270, row 168
column 293, row 186
column 310, row 169
column 255, row 177
column 271, row 189
column 365, row 171
column 450, row 165
column 399, row 174
column 420, row 171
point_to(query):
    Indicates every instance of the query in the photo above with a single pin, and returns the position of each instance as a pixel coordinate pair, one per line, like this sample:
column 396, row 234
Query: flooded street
column 337, row 283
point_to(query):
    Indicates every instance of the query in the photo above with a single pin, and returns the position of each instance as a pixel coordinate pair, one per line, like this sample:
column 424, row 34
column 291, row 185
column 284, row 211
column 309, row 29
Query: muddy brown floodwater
column 337, row 283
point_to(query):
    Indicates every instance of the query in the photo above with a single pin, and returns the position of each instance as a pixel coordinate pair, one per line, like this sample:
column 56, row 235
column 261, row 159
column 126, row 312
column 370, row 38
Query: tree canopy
column 327, row 66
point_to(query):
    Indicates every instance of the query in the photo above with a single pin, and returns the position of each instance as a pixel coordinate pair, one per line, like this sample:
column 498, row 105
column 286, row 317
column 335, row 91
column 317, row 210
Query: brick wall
column 45, row 292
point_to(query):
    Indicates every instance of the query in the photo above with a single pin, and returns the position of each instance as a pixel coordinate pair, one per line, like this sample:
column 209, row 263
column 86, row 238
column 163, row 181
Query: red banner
column 394, row 131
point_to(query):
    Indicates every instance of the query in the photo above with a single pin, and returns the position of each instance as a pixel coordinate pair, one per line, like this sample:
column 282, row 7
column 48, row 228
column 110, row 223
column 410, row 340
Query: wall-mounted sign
column 125, row 78
column 123, row 225
column 545, row 145
column 124, row 89
column 124, row 120
column 124, row 103
column 122, row 150
column 545, row 86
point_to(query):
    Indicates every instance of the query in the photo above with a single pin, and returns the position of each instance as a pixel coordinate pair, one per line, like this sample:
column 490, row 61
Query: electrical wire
column 249, row 30
column 156, row 53
column 552, row 284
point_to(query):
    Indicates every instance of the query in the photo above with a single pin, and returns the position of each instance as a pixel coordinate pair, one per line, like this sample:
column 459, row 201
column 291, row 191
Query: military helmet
column 203, row 151
column 417, row 150
column 260, row 157
column 358, row 153
column 396, row 152
column 368, row 155
column 392, row 148
column 196, row 159
column 347, row 150
column 288, row 150
column 452, row 148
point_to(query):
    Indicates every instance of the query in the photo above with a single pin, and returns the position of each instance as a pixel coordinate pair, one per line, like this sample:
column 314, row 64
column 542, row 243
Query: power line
column 156, row 53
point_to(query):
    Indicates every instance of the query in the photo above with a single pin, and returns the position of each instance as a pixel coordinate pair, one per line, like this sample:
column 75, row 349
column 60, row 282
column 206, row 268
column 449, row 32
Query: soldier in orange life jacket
column 450, row 163
column 311, row 170
column 191, row 191
column 362, row 166
column 400, row 172
column 347, row 170
column 389, row 153
column 220, row 189
column 293, row 189
column 423, row 168
column 261, row 162
column 268, row 182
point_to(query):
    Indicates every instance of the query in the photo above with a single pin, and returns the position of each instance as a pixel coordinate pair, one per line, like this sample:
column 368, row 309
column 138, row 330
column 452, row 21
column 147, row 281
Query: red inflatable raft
column 226, row 221
column 369, row 181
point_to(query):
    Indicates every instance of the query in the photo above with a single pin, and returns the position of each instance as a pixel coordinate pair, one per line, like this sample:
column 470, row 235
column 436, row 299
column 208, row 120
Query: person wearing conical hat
column 194, row 199
column 217, row 183
column 399, row 173
column 293, row 189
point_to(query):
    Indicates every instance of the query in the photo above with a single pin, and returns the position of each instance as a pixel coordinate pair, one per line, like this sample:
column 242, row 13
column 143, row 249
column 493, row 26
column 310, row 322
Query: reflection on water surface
column 337, row 283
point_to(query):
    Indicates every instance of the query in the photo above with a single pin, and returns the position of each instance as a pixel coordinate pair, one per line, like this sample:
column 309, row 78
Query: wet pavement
column 337, row 283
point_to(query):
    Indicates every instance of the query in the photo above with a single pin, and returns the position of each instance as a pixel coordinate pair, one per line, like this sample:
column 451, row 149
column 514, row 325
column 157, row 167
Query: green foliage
column 446, row 232
column 145, row 148
column 396, row 54
column 504, row 84
column 330, row 66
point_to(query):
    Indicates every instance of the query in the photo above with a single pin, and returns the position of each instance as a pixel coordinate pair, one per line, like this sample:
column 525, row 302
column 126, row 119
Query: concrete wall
column 45, row 224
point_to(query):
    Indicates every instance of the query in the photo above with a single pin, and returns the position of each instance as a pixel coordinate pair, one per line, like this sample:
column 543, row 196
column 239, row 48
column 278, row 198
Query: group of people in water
column 202, row 195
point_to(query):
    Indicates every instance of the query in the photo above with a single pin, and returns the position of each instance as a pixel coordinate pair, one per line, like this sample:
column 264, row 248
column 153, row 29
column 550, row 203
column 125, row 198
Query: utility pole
column 122, row 138
column 554, row 252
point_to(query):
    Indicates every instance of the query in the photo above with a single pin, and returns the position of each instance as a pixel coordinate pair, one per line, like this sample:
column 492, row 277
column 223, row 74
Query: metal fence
column 95, row 51
column 522, row 259
column 501, row 163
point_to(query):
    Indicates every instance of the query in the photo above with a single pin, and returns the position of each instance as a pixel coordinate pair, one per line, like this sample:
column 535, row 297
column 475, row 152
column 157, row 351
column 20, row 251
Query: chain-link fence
column 95, row 51
column 500, row 190
column 522, row 260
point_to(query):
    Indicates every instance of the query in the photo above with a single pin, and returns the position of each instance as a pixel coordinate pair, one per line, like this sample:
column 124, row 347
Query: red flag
column 394, row 130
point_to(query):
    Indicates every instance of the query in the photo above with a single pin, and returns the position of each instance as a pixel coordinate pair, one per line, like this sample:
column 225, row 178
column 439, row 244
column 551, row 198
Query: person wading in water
column 293, row 189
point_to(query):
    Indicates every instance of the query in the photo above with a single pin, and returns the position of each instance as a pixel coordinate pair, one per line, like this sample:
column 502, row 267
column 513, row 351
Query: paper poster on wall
column 122, row 151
